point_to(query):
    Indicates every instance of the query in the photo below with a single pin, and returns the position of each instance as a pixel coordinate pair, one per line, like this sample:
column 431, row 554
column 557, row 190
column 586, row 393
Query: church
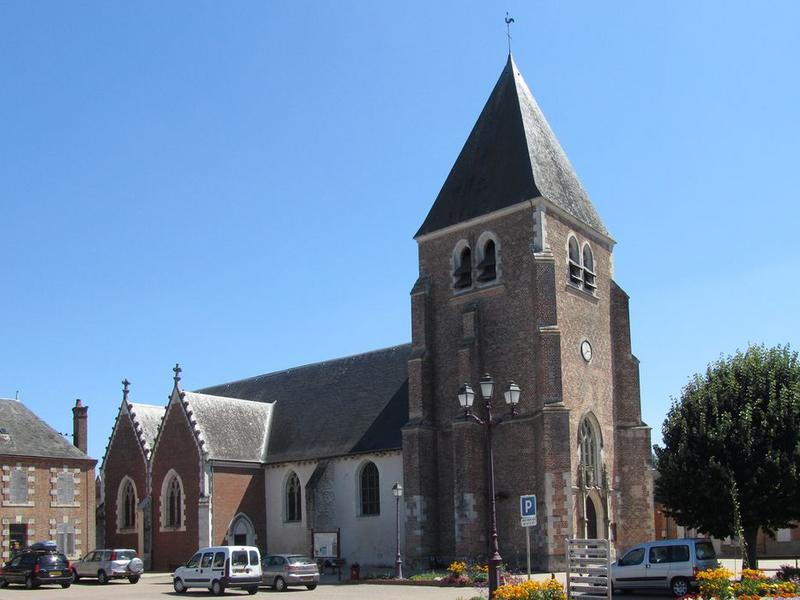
column 515, row 288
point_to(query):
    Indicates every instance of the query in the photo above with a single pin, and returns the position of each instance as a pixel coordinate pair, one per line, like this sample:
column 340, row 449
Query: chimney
column 80, row 427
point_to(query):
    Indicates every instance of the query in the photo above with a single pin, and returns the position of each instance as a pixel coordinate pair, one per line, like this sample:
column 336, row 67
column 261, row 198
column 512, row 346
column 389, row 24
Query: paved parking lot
column 160, row 586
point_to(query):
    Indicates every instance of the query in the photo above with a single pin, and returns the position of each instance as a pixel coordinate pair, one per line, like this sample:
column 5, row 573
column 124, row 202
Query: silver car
column 109, row 564
column 664, row 564
column 280, row 571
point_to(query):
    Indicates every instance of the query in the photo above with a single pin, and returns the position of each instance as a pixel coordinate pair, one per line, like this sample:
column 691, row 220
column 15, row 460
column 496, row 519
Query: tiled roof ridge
column 305, row 366
column 139, row 429
column 194, row 424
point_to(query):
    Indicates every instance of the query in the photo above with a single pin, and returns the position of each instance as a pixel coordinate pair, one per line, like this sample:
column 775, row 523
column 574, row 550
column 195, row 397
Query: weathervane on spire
column 509, row 21
column 177, row 371
column 125, row 387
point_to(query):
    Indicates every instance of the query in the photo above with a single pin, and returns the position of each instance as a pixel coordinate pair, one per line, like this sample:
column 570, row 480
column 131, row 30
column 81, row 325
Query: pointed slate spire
column 510, row 156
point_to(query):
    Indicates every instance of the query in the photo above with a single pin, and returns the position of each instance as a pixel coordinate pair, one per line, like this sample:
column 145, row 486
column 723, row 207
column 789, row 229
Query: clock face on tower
column 586, row 350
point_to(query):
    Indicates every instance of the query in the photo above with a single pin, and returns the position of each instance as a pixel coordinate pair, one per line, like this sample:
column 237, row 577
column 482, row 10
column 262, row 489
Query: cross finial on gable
column 125, row 388
column 177, row 371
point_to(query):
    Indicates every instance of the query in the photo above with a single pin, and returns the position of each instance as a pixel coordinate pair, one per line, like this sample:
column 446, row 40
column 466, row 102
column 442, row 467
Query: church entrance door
column 591, row 519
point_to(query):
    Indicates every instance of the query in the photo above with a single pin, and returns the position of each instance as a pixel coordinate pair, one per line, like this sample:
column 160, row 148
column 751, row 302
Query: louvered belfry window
column 575, row 270
column 588, row 269
column 463, row 272
column 370, row 490
column 488, row 265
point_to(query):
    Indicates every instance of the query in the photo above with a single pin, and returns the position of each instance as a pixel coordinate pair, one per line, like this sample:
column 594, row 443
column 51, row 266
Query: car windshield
column 705, row 551
column 53, row 560
column 299, row 560
column 126, row 554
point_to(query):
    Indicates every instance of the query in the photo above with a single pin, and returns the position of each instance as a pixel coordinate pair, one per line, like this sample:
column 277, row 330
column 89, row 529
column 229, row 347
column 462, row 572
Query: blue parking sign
column 527, row 506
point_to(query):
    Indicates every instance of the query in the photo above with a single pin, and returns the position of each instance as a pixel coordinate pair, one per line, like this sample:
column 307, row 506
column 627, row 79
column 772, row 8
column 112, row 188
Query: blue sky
column 235, row 186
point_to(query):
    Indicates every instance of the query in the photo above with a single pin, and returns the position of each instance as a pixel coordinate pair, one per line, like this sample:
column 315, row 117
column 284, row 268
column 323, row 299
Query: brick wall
column 176, row 449
column 238, row 491
column 42, row 513
column 123, row 459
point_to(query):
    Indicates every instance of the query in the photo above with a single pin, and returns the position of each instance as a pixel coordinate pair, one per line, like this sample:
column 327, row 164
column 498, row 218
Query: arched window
column 589, row 454
column 173, row 502
column 370, row 490
column 575, row 270
column 487, row 268
column 588, row 269
column 463, row 273
column 126, row 504
column 129, row 506
column 294, row 506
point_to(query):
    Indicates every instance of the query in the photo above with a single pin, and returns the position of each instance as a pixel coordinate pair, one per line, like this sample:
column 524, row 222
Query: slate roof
column 25, row 434
column 146, row 420
column 229, row 428
column 510, row 156
column 333, row 408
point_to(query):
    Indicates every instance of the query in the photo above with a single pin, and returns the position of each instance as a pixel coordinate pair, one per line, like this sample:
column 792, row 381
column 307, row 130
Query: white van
column 664, row 564
column 220, row 567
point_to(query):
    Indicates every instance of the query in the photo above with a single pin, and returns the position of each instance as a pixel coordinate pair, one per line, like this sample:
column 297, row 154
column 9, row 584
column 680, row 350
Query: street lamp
column 397, row 490
column 466, row 397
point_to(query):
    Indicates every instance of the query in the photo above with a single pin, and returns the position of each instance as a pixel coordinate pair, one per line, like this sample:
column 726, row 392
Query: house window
column 294, row 512
column 370, row 490
column 65, row 538
column 19, row 486
column 127, row 504
column 487, row 268
column 587, row 442
column 588, row 269
column 18, row 534
column 462, row 275
column 174, row 502
column 65, row 488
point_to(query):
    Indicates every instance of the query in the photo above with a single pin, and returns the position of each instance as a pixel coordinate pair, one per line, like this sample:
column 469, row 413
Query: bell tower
column 515, row 270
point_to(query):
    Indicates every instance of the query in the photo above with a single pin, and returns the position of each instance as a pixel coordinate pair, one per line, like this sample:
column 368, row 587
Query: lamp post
column 397, row 490
column 466, row 397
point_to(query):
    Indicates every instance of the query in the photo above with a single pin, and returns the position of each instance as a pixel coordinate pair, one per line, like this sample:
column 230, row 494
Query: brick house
column 515, row 279
column 48, row 489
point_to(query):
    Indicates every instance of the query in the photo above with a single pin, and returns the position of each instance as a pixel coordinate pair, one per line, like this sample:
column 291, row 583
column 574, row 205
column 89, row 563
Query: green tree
column 730, row 463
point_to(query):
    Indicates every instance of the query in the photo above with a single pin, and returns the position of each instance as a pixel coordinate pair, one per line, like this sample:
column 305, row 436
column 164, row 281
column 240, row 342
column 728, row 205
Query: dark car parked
column 33, row 568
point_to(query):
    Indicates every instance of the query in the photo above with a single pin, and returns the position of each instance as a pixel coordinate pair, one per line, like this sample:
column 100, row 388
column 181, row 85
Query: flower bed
column 549, row 589
column 754, row 584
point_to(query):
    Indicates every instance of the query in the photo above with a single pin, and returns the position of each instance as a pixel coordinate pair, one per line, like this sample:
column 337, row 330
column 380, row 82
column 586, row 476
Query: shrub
column 788, row 573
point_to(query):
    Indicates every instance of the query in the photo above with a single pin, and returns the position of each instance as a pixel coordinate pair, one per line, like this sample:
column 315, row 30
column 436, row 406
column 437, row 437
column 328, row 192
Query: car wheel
column 279, row 585
column 102, row 578
column 680, row 586
column 65, row 585
column 178, row 586
column 312, row 586
column 252, row 590
column 134, row 578
column 217, row 588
